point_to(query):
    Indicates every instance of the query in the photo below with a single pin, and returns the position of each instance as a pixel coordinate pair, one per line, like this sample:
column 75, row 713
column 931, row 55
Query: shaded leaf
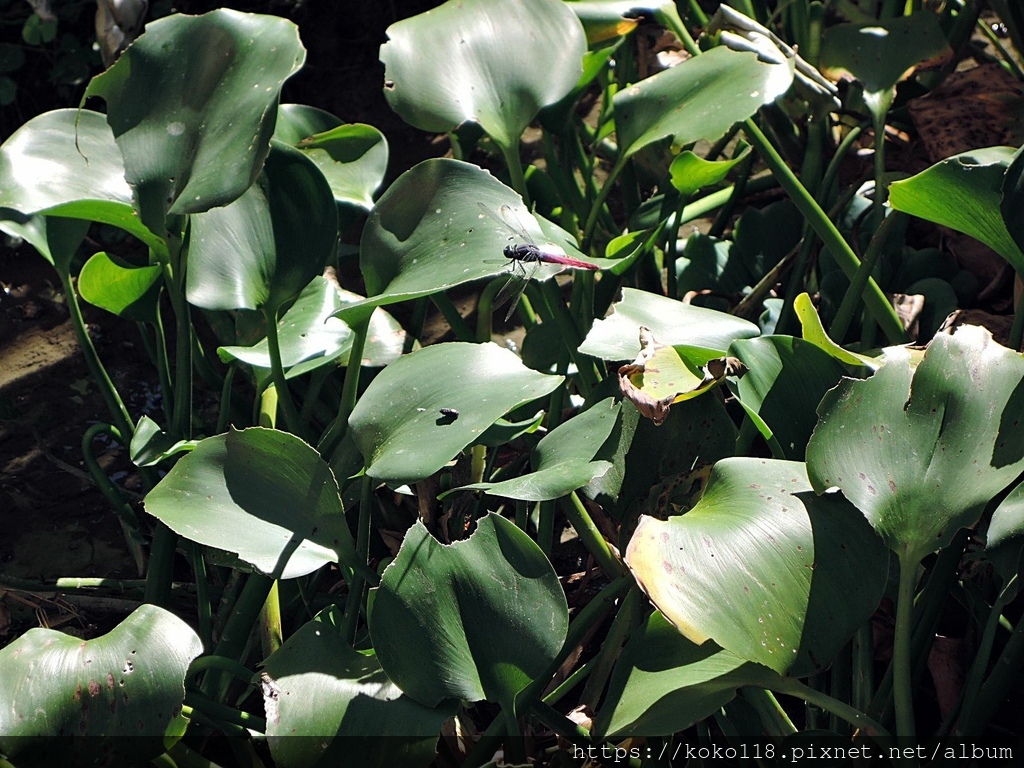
column 562, row 461
column 328, row 705
column 766, row 569
column 663, row 683
column 474, row 620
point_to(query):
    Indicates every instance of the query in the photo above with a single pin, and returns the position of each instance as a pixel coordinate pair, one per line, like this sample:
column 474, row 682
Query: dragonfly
column 525, row 258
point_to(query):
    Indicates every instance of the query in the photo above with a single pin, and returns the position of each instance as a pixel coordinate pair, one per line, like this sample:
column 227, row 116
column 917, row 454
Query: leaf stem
column 291, row 414
column 591, row 537
column 876, row 302
column 903, row 695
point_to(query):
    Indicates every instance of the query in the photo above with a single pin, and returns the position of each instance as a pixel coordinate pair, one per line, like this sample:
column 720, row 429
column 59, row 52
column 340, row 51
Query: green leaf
column 785, row 380
column 308, row 334
column 881, row 53
column 428, row 232
column 328, row 705
column 698, row 99
column 263, row 494
column 66, row 163
column 477, row 619
column 264, row 248
column 922, row 452
column 68, row 701
column 1012, row 201
column 491, row 62
column 116, row 286
column 763, row 567
column 617, row 337
column 690, row 173
column 663, row 683
column 814, row 332
column 1004, row 539
column 192, row 103
column 150, row 445
column 55, row 238
column 562, row 460
column 397, row 422
column 353, row 158
column 963, row 192
column 39, row 31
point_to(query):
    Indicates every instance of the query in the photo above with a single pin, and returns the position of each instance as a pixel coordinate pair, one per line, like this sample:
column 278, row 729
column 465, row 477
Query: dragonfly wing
column 511, row 291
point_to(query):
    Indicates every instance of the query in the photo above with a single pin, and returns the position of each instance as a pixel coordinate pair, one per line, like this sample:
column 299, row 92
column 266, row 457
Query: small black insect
column 448, row 415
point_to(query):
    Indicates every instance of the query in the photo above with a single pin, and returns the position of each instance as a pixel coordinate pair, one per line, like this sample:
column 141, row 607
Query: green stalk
column 602, row 197
column 793, row 687
column 591, row 537
column 624, row 622
column 291, row 413
column 847, row 260
column 451, row 316
column 118, row 411
column 587, row 376
column 204, row 608
column 224, row 407
column 350, row 389
column 515, row 171
column 901, row 659
column 996, row 688
column 773, row 716
column 354, row 601
column 851, row 301
column 237, row 628
column 1017, row 329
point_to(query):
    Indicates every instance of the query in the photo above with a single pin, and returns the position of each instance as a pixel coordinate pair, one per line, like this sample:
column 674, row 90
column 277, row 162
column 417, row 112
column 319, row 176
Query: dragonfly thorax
column 523, row 252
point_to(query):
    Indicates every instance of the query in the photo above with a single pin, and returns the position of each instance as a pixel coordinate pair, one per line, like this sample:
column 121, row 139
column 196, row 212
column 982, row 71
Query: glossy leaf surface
column 397, row 423
column 262, row 494
column 617, row 337
column 66, row 700
column 477, row 619
column 352, row 157
column 192, row 104
column 921, row 452
column 264, row 248
column 127, row 291
column 768, row 570
column 698, row 99
column 491, row 62
column 963, row 192
column 66, row 163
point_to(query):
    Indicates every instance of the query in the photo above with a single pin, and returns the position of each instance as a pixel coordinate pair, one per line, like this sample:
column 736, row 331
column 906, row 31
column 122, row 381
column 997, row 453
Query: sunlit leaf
column 672, row 322
column 192, row 104
column 921, row 452
column 66, row 700
column 265, row 247
column 963, row 192
column 491, row 62
column 762, row 566
column 127, row 291
column 398, row 424
column 698, row 99
column 262, row 494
